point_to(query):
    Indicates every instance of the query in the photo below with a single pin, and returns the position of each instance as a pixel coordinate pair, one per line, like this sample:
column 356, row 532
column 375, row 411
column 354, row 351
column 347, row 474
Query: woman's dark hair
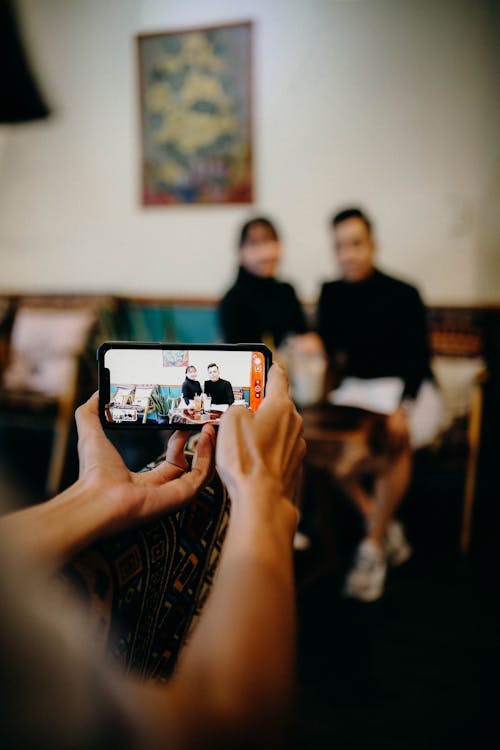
column 190, row 367
column 351, row 213
column 259, row 220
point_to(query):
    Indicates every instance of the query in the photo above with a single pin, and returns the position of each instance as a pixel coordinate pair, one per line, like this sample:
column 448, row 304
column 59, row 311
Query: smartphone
column 150, row 385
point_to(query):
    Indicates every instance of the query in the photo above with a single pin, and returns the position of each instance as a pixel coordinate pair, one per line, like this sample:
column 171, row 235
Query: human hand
column 398, row 428
column 307, row 344
column 133, row 497
column 264, row 449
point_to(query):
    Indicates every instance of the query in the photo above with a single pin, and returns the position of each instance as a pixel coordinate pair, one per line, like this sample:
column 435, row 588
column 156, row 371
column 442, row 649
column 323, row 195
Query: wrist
column 47, row 535
column 407, row 405
column 86, row 515
column 259, row 505
column 255, row 493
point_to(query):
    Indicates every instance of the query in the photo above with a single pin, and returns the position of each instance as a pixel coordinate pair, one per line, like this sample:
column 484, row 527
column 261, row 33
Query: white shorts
column 383, row 395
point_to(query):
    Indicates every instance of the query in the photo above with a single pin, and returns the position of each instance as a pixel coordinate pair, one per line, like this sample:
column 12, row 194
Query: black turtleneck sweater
column 376, row 328
column 220, row 390
column 256, row 308
column 190, row 388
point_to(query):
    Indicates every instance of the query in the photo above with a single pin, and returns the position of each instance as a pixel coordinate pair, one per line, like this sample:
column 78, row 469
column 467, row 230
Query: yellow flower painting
column 195, row 90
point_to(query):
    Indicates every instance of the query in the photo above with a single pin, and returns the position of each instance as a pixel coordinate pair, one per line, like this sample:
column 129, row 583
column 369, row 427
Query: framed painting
column 175, row 358
column 195, row 110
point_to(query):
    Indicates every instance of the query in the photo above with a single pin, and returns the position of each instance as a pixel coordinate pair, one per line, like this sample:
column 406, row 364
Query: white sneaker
column 301, row 541
column 397, row 548
column 366, row 578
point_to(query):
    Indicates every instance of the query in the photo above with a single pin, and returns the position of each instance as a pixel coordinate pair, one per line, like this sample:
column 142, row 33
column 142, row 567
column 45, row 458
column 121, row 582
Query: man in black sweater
column 375, row 333
column 220, row 390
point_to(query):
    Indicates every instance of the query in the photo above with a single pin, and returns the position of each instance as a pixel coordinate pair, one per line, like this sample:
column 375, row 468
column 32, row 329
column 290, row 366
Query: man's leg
column 390, row 489
column 366, row 579
column 363, row 500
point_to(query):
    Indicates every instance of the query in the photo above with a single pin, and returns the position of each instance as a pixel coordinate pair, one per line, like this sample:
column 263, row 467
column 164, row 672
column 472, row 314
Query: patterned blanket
column 144, row 588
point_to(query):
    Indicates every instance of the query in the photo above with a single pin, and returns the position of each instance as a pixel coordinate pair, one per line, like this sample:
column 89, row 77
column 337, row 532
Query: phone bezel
column 104, row 386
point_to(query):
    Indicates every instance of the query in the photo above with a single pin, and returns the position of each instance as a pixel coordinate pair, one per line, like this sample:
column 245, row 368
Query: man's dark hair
column 212, row 365
column 351, row 213
column 258, row 220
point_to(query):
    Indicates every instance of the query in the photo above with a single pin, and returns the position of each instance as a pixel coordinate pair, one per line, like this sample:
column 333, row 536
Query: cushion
column 43, row 345
column 456, row 377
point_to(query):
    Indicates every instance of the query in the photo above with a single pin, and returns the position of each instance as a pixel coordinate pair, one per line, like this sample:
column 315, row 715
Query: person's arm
column 184, row 391
column 233, row 684
column 415, row 345
column 414, row 350
column 107, row 497
column 230, row 394
column 234, row 681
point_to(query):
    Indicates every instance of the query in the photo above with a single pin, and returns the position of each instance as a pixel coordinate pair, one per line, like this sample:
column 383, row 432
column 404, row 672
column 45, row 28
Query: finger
column 282, row 427
column 87, row 416
column 234, row 408
column 277, row 392
column 174, row 466
column 175, row 449
column 230, row 425
column 203, row 462
column 161, row 474
column 208, row 433
column 234, row 454
column 93, row 444
column 172, row 495
column 277, row 381
column 165, row 497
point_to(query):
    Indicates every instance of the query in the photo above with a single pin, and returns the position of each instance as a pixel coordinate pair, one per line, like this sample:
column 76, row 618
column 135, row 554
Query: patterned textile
column 145, row 588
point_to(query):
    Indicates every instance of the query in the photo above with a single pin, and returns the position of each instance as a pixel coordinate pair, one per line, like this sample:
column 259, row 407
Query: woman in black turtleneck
column 258, row 307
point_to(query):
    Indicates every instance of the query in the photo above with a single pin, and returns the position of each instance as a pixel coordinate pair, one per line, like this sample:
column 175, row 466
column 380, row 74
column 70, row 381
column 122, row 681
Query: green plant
column 159, row 401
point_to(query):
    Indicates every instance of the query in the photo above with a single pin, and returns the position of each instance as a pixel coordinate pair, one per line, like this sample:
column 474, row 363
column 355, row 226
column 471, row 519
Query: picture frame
column 175, row 357
column 195, row 89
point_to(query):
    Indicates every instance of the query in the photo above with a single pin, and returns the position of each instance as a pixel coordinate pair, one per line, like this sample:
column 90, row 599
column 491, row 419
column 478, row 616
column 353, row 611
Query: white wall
column 127, row 366
column 386, row 103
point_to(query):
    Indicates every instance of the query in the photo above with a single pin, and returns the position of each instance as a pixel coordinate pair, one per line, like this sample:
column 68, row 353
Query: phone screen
column 178, row 386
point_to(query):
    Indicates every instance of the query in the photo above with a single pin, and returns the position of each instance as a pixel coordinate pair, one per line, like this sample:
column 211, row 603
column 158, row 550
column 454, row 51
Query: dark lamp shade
column 20, row 98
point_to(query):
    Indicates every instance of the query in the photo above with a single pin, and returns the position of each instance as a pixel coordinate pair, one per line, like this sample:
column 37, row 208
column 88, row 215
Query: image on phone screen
column 152, row 386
